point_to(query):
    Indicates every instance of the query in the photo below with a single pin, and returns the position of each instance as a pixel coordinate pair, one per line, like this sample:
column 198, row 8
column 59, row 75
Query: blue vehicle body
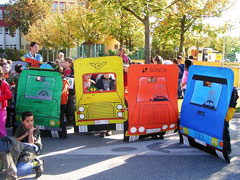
column 205, row 106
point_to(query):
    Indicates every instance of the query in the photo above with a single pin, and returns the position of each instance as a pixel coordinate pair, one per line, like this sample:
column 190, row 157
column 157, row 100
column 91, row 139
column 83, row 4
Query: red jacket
column 65, row 92
column 5, row 94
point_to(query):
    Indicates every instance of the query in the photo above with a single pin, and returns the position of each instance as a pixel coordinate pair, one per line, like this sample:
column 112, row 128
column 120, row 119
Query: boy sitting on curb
column 27, row 133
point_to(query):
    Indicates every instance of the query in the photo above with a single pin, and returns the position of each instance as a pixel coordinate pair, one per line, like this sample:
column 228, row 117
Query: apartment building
column 98, row 49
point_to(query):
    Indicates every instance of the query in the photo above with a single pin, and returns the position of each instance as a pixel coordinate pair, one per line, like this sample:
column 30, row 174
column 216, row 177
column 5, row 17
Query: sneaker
column 39, row 168
column 107, row 133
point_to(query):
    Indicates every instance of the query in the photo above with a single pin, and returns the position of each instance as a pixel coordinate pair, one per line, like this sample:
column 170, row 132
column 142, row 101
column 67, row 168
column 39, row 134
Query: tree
column 142, row 10
column 88, row 25
column 122, row 26
column 187, row 15
column 24, row 13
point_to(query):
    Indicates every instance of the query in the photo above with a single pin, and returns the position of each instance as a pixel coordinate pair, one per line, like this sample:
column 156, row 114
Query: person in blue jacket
column 33, row 54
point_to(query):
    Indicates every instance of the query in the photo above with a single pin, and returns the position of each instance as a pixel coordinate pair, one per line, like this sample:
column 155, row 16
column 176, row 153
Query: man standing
column 33, row 54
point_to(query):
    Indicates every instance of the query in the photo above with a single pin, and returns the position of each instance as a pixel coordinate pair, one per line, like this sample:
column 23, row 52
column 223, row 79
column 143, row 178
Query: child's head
column 87, row 77
column 157, row 60
column 68, row 62
column 1, row 73
column 175, row 61
column 18, row 68
column 125, row 68
column 6, row 68
column 34, row 47
column 27, row 120
column 106, row 76
column 188, row 63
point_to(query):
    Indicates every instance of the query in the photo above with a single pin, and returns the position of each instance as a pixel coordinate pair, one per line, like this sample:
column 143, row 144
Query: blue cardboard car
column 204, row 109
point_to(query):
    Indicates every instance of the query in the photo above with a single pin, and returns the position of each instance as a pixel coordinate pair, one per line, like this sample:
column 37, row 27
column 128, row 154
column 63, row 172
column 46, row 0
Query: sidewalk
column 236, row 115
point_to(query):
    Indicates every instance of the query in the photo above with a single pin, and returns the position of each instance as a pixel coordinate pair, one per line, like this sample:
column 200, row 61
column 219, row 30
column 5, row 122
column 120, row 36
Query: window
column 116, row 47
column 207, row 93
column 1, row 46
column 82, row 3
column 55, row 7
column 98, row 83
column 70, row 5
column 62, row 7
column 6, row 31
column 1, row 30
column 39, row 87
column 152, row 89
column 1, row 14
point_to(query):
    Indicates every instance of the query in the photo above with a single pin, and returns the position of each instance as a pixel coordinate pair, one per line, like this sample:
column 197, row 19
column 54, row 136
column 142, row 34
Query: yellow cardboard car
column 100, row 103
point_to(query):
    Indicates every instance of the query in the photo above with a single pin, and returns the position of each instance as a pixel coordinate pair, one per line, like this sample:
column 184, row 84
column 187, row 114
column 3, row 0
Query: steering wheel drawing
column 92, row 89
column 43, row 93
column 160, row 98
column 209, row 104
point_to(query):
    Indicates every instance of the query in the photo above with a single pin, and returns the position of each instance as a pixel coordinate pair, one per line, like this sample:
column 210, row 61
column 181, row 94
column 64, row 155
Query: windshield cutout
column 99, row 82
column 39, row 87
column 152, row 89
column 206, row 94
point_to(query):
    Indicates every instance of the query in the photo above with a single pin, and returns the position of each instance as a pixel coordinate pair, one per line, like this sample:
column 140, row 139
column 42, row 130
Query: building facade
column 59, row 6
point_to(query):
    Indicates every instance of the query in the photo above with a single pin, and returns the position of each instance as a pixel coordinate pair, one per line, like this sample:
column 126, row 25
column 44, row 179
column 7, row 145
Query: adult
column 33, row 54
column 122, row 54
column 60, row 59
column 181, row 70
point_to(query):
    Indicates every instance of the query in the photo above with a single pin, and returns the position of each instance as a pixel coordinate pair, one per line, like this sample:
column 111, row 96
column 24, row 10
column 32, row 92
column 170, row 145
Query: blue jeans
column 179, row 88
column 24, row 168
column 34, row 146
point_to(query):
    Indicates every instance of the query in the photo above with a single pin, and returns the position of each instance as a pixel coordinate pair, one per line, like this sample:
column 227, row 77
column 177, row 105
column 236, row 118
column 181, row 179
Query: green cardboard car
column 39, row 91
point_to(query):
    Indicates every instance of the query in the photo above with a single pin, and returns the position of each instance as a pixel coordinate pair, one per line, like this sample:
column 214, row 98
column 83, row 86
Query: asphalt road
column 91, row 157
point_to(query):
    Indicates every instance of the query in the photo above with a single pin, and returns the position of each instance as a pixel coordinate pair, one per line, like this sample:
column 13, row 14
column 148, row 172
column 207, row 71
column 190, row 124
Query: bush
column 12, row 54
column 112, row 53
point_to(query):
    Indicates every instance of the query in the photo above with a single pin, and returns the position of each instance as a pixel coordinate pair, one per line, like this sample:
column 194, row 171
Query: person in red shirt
column 68, row 72
column 5, row 95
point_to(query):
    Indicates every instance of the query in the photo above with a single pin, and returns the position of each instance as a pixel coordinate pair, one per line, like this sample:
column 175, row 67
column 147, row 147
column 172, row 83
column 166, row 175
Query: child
column 18, row 159
column 87, row 82
column 6, row 70
column 5, row 95
column 27, row 133
column 188, row 63
column 64, row 100
column 68, row 72
column 105, row 83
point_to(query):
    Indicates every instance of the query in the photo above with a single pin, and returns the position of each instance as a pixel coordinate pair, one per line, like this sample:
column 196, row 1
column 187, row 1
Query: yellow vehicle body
column 99, row 109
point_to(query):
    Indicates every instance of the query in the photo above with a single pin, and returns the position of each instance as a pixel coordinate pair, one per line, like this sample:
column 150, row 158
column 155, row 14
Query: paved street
column 90, row 157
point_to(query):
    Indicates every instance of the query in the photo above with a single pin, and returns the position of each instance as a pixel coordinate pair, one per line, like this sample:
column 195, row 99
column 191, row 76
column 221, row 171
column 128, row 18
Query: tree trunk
column 147, row 40
column 56, row 54
column 121, row 43
column 182, row 35
column 47, row 55
column 68, row 52
column 130, row 44
column 89, row 50
column 78, row 50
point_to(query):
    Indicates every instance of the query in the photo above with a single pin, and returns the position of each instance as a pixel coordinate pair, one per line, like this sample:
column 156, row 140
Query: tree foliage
column 24, row 13
column 187, row 16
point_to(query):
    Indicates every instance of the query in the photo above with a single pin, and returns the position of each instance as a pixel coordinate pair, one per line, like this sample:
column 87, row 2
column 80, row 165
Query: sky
column 231, row 15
